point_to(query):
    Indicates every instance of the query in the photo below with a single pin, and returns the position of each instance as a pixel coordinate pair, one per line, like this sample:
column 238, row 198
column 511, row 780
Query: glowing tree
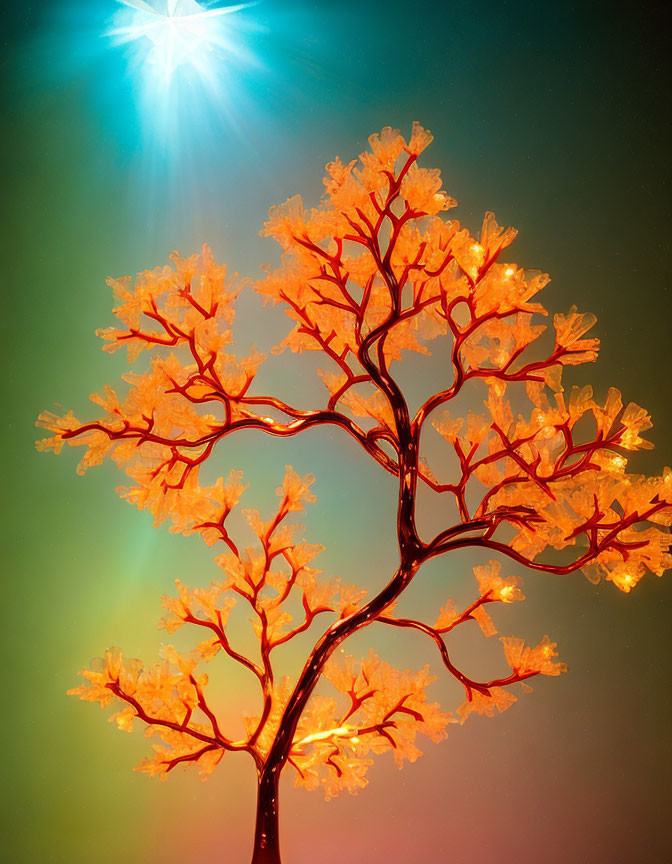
column 374, row 271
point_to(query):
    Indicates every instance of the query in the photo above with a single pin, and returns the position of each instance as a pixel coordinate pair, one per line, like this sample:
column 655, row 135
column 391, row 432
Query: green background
column 555, row 116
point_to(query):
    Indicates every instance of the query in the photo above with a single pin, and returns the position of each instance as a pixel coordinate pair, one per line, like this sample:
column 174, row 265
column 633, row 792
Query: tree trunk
column 266, row 843
column 266, row 839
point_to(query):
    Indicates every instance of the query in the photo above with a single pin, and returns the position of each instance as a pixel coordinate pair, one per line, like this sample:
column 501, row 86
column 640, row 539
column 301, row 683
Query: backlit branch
column 216, row 740
column 602, row 537
column 223, row 641
column 469, row 684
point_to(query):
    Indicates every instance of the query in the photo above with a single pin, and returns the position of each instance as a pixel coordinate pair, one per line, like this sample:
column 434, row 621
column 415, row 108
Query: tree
column 374, row 271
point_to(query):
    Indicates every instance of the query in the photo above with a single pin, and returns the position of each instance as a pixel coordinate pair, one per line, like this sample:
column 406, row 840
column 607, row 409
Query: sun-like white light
column 176, row 33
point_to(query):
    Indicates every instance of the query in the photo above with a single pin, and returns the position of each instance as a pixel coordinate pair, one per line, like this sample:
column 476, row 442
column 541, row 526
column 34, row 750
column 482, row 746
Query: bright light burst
column 175, row 33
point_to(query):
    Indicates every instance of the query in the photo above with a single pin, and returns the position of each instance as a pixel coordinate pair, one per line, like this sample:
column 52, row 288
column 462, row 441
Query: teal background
column 555, row 116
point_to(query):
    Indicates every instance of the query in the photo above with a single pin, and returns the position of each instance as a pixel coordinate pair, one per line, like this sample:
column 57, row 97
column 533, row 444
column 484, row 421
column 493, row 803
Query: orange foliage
column 374, row 271
column 385, row 708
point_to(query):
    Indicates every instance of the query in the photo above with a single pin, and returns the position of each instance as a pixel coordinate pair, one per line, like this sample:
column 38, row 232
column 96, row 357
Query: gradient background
column 555, row 116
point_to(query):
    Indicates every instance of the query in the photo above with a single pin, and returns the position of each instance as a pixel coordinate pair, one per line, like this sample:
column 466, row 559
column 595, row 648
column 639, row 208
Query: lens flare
column 177, row 33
